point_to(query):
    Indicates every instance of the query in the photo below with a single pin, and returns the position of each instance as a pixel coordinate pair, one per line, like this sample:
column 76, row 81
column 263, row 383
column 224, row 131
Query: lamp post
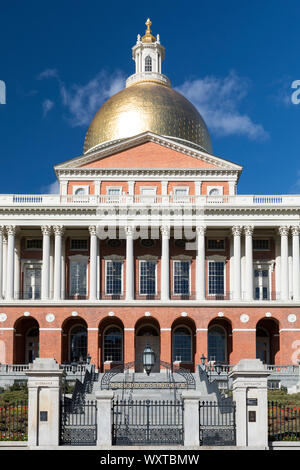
column 148, row 359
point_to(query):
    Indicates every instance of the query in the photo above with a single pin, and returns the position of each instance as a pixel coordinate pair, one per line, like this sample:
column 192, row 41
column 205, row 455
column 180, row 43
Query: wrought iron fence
column 147, row 422
column 78, row 427
column 283, row 422
column 14, row 421
column 217, row 423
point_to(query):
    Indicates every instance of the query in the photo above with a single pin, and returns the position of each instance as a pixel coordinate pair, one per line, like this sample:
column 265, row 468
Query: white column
column 11, row 231
column 249, row 263
column 46, row 231
column 63, row 269
column 236, row 230
column 93, row 262
column 200, row 263
column 104, row 417
column 284, row 232
column 1, row 260
column 4, row 270
column 165, row 263
column 129, row 264
column 17, row 269
column 296, row 263
column 58, row 231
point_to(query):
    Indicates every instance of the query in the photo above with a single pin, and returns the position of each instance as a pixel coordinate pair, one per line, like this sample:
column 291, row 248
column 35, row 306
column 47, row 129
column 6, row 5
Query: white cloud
column 47, row 106
column 82, row 101
column 52, row 188
column 218, row 100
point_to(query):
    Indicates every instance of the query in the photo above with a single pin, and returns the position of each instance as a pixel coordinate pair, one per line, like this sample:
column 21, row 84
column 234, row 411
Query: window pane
column 182, row 345
column 147, row 277
column 79, row 244
column 181, row 277
column 148, row 64
column 113, row 345
column 78, row 278
column 216, row 277
column 216, row 344
column 114, row 277
column 32, row 282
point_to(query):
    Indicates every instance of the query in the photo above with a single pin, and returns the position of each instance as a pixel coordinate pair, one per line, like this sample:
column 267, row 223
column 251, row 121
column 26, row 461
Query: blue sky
column 235, row 60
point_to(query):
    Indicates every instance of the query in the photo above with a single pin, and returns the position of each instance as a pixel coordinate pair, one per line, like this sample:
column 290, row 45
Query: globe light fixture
column 148, row 359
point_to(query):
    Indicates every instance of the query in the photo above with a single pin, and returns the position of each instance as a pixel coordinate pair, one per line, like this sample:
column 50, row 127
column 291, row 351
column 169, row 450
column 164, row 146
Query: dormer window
column 148, row 64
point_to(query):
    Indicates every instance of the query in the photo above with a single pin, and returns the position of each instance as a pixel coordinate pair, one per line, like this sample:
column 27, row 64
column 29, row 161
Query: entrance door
column 147, row 335
column 263, row 346
column 32, row 346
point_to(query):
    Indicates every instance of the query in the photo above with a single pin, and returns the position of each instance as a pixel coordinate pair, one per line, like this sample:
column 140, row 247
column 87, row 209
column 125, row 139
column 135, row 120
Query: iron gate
column 147, row 422
column 217, row 423
column 78, row 424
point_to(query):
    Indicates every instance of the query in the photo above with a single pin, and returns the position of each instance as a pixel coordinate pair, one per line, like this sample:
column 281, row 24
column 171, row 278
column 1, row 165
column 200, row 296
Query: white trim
column 243, row 329
column 50, row 329
column 289, row 329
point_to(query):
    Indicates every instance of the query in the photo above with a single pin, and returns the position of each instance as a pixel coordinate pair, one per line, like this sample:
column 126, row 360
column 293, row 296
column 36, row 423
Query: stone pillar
column 236, row 230
column 58, row 230
column 11, row 231
column 249, row 263
column 104, row 417
column 44, row 390
column 250, row 393
column 296, row 263
column 129, row 264
column 165, row 263
column 1, row 260
column 284, row 232
column 17, row 270
column 93, row 262
column 191, row 400
column 200, row 264
column 46, row 230
column 4, row 270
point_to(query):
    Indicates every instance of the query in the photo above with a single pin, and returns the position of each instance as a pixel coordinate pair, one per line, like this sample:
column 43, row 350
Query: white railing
column 203, row 200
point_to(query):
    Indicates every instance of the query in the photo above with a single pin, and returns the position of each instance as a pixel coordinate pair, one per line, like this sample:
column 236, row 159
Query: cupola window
column 148, row 64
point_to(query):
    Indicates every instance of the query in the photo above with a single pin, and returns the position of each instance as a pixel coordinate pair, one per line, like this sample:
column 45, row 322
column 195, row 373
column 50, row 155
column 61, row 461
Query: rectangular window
column 32, row 282
column 114, row 191
column 34, row 244
column 79, row 244
column 181, row 277
column 215, row 244
column 261, row 284
column 216, row 282
column 78, row 278
column 114, row 277
column 147, row 277
column 261, row 244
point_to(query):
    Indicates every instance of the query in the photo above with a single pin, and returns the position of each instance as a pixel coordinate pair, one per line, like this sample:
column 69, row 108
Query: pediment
column 148, row 151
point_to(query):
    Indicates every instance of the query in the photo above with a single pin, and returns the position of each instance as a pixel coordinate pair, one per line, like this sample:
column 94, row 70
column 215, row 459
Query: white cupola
column 148, row 55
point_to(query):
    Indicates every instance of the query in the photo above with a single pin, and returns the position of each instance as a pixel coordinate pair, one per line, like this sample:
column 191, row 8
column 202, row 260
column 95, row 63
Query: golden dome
column 147, row 106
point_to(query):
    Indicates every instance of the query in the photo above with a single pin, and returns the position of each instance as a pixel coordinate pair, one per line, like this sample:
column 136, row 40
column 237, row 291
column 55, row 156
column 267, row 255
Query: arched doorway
column 74, row 340
column 26, row 340
column 147, row 334
column 111, row 343
column 219, row 341
column 267, row 340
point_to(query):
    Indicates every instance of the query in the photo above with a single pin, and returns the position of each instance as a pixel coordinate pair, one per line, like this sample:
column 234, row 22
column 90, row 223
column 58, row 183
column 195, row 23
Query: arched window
column 214, row 192
column 113, row 345
column 78, row 343
column 182, row 345
column 217, row 344
column 148, row 64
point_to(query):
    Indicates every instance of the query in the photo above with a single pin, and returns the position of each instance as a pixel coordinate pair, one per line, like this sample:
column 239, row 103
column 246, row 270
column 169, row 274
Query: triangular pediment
column 148, row 151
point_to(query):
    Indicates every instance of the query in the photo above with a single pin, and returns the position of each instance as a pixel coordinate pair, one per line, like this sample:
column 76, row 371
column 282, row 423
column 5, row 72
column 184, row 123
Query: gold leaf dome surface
column 147, row 106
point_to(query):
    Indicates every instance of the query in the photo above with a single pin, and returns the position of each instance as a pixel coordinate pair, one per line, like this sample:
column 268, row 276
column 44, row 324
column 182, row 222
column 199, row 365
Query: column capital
column 283, row 230
column 46, row 229
column 165, row 231
column 2, row 230
column 93, row 229
column 237, row 230
column 59, row 229
column 295, row 229
column 249, row 229
column 201, row 229
column 129, row 230
column 11, row 229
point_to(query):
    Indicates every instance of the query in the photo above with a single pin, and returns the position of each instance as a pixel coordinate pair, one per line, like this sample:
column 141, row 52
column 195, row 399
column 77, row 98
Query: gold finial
column 148, row 36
